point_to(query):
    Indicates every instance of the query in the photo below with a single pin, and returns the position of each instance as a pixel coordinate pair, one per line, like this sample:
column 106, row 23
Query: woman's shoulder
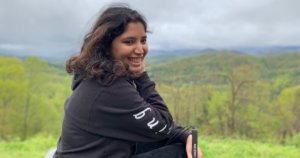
column 121, row 83
column 118, row 81
column 121, row 86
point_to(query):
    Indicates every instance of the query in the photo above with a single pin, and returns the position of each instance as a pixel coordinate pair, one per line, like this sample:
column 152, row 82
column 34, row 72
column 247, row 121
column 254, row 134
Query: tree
column 288, row 110
column 239, row 79
column 12, row 75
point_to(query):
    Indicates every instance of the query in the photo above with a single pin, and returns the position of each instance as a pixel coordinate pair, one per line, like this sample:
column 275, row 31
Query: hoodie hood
column 76, row 81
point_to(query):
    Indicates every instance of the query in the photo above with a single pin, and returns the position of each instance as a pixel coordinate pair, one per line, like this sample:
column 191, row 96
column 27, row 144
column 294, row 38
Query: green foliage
column 211, row 148
column 31, row 97
column 231, row 94
column 223, row 94
column 294, row 140
column 34, row 147
column 238, row 148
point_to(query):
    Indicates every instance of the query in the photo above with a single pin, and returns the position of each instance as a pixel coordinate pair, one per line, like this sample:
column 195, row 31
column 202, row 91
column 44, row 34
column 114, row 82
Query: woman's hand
column 189, row 148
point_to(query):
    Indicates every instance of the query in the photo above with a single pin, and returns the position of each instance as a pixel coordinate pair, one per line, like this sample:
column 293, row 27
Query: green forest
column 31, row 97
column 234, row 95
column 225, row 95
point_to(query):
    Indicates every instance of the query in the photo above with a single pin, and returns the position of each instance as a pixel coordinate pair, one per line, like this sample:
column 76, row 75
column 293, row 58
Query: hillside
column 207, row 68
column 234, row 94
column 226, row 94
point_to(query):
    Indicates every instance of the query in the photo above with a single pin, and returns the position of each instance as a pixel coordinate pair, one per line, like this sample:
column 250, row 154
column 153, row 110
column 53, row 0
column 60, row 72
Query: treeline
column 31, row 97
column 225, row 94
column 233, row 95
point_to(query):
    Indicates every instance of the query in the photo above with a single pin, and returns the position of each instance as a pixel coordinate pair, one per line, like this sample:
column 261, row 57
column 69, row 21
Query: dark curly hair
column 95, row 60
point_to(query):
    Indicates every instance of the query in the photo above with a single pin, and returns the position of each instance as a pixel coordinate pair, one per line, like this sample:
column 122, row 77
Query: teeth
column 135, row 59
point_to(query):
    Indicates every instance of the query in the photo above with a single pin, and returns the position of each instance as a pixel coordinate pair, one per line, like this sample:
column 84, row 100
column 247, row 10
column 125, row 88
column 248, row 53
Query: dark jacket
column 107, row 121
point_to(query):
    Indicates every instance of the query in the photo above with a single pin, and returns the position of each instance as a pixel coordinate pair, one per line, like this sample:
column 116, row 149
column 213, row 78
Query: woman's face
column 131, row 46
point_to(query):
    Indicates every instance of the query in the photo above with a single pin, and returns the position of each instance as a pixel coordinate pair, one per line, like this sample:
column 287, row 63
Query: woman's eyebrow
column 129, row 37
column 133, row 37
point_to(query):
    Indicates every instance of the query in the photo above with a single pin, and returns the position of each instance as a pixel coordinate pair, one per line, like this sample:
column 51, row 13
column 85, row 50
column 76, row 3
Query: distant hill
column 253, row 50
column 163, row 55
column 205, row 67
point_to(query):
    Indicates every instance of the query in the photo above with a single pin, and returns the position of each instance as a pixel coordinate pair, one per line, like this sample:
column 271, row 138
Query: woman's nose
column 139, row 49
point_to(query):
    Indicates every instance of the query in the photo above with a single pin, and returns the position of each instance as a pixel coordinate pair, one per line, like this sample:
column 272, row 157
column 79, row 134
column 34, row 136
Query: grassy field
column 211, row 147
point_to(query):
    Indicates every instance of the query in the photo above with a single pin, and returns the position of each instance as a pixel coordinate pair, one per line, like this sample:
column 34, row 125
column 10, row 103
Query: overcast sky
column 56, row 27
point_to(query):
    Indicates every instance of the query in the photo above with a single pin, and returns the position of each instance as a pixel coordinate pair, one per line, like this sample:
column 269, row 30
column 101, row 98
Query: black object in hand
column 194, row 142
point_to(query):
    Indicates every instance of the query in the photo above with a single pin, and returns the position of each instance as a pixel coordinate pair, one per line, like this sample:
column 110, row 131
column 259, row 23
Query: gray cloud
column 55, row 27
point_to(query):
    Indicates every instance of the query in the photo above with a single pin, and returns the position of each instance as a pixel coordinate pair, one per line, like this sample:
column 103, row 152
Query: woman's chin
column 135, row 70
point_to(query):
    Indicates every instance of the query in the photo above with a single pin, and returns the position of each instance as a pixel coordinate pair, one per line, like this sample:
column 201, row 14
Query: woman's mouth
column 135, row 61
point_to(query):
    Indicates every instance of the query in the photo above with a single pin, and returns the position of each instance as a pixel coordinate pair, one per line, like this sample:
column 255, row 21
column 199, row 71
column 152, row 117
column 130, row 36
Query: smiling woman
column 119, row 34
column 131, row 47
column 114, row 110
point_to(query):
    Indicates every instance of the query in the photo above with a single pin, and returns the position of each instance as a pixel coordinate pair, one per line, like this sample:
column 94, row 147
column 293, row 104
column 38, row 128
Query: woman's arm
column 146, row 89
column 120, row 111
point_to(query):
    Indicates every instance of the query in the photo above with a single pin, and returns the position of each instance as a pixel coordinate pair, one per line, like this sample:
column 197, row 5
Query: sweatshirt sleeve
column 133, row 113
column 146, row 89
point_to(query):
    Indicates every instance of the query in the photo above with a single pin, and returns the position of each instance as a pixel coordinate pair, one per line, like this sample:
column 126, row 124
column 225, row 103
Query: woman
column 114, row 110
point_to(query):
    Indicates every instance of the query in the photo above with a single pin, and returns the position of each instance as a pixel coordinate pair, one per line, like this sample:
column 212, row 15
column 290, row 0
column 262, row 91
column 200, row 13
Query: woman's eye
column 129, row 42
column 144, row 41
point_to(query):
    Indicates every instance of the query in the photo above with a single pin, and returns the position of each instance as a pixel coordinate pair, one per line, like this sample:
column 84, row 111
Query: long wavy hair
column 95, row 60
